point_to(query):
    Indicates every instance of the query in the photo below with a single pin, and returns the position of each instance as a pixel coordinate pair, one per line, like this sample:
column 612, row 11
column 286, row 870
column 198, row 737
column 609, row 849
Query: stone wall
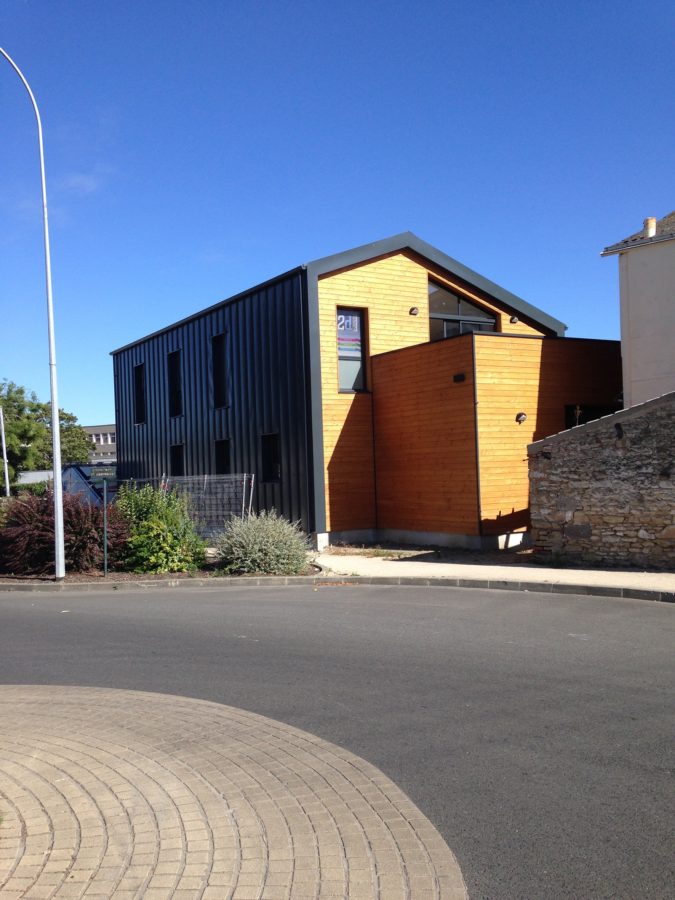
column 604, row 492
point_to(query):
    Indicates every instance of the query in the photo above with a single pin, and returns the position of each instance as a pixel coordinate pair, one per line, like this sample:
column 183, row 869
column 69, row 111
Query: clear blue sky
column 197, row 147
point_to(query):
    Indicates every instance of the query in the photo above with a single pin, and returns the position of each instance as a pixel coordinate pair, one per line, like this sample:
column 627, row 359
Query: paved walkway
column 122, row 794
column 379, row 566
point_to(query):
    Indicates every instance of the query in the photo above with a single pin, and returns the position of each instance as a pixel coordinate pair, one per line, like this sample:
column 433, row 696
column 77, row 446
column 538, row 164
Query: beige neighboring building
column 104, row 443
column 647, row 289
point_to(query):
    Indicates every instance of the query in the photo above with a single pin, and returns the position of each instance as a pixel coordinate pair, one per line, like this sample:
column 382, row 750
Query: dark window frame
column 174, row 372
column 220, row 376
column 361, row 312
column 490, row 318
column 140, row 395
column 271, row 461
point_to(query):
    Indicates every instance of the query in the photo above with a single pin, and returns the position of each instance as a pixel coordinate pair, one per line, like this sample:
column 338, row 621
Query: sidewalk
column 406, row 568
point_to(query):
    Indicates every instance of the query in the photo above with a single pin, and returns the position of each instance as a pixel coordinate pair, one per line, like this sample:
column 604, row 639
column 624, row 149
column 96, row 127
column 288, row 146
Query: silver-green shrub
column 263, row 544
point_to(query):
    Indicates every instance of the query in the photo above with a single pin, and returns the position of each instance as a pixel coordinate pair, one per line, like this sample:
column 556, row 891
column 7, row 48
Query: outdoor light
column 513, row 320
column 414, row 311
column 520, row 418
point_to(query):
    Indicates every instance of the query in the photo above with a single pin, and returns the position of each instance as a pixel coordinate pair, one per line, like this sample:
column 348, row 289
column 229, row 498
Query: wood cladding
column 425, row 438
column 387, row 288
column 420, row 427
column 539, row 378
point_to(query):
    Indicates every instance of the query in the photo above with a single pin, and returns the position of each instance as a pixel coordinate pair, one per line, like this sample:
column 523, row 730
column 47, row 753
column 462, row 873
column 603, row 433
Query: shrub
column 155, row 546
column 27, row 534
column 264, row 543
column 163, row 534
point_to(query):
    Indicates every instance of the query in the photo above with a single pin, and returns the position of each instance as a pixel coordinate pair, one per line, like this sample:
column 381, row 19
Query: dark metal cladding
column 268, row 392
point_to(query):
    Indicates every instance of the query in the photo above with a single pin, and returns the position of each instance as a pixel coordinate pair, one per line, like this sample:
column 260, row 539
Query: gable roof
column 407, row 240
column 665, row 231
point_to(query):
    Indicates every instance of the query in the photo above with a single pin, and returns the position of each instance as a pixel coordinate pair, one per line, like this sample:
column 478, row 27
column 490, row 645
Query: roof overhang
column 407, row 240
column 623, row 248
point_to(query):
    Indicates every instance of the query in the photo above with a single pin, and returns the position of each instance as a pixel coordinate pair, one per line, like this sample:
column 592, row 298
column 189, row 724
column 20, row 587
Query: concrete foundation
column 428, row 538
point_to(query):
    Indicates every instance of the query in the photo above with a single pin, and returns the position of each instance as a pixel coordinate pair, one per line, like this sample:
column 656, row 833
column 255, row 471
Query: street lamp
column 59, row 549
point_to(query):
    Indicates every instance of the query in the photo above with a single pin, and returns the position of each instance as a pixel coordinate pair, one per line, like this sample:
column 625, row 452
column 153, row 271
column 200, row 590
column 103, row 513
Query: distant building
column 104, row 440
column 647, row 289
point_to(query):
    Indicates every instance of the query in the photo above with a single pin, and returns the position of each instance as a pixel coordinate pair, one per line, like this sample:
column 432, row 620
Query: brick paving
column 126, row 795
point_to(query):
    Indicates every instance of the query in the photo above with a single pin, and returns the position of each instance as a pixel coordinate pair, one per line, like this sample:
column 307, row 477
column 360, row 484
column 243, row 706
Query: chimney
column 650, row 227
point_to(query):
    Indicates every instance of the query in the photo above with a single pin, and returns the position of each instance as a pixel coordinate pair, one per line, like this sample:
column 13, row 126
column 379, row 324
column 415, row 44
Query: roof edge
column 408, row 240
column 620, row 416
column 258, row 287
column 613, row 249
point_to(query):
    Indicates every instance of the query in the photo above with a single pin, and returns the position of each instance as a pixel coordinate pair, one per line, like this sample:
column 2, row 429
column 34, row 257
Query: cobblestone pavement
column 111, row 793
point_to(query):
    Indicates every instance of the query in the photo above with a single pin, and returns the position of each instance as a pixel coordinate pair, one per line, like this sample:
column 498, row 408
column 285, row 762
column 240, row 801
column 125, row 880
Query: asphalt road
column 536, row 732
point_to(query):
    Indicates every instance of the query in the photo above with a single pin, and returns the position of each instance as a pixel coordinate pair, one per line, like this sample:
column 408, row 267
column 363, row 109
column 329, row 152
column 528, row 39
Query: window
column 104, row 438
column 271, row 460
column 177, row 460
column 174, row 367
column 219, row 361
column 139, row 395
column 113, row 438
column 351, row 346
column 222, row 457
column 451, row 314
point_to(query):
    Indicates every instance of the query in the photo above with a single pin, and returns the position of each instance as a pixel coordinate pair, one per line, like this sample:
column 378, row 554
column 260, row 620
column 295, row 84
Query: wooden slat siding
column 539, row 378
column 387, row 288
column 425, row 438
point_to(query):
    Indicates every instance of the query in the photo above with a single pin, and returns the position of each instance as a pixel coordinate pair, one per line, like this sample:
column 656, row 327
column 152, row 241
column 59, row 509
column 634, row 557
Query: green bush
column 163, row 534
column 263, row 544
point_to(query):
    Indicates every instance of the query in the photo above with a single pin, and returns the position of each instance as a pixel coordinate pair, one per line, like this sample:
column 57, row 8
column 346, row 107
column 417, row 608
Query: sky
column 195, row 148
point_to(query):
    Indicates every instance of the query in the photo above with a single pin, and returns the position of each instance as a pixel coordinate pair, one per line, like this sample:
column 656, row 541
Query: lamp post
column 59, row 550
column 4, row 452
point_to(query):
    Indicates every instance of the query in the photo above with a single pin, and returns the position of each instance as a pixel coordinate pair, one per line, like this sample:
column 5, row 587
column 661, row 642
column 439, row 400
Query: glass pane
column 470, row 309
column 349, row 334
column 436, row 332
column 442, row 301
column 468, row 327
column 351, row 374
column 451, row 328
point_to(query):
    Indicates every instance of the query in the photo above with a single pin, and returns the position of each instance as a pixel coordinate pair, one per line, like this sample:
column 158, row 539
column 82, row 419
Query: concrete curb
column 538, row 587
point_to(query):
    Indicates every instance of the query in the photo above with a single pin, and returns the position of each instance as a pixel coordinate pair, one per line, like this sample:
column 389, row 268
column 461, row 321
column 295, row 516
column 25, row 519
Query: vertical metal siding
column 268, row 393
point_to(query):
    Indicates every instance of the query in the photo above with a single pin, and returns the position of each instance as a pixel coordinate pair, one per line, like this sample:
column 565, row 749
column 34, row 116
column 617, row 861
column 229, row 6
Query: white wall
column 647, row 285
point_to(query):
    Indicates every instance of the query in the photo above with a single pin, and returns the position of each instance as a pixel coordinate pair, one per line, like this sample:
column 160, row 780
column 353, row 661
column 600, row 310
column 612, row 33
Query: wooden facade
column 387, row 289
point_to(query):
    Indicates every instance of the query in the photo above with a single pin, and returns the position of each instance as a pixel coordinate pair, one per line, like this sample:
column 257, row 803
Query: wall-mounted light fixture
column 520, row 418
column 513, row 320
column 414, row 311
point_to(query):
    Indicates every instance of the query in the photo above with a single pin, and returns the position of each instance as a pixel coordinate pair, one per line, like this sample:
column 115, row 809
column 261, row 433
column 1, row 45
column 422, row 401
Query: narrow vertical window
column 177, row 460
column 351, row 346
column 222, row 457
column 175, row 378
column 139, row 395
column 219, row 361
column 271, row 458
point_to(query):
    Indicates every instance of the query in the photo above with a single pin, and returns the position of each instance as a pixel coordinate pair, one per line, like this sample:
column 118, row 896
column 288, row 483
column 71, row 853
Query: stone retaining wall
column 605, row 492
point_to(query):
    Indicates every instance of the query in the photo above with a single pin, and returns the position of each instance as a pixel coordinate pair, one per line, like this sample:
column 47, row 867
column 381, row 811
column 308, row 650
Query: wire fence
column 213, row 500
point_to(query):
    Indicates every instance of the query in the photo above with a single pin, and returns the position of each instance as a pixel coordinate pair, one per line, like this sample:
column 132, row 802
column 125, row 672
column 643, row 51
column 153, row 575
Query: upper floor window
column 219, row 370
column 351, row 350
column 174, row 366
column 139, row 394
column 451, row 314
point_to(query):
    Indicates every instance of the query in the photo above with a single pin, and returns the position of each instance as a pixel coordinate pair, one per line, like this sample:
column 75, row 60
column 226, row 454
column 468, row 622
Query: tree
column 25, row 429
column 76, row 443
column 28, row 432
